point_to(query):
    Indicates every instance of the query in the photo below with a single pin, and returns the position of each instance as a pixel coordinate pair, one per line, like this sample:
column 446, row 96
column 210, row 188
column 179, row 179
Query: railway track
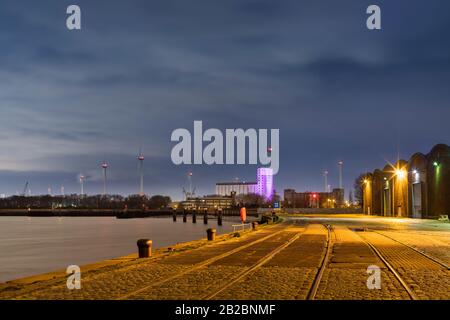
column 326, row 257
column 389, row 263
column 207, row 262
column 316, row 282
column 435, row 260
column 254, row 267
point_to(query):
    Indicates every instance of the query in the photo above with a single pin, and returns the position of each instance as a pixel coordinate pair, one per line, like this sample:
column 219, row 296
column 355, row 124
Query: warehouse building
column 418, row 188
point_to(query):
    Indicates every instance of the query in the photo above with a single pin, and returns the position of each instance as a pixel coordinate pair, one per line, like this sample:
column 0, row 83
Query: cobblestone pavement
column 276, row 262
column 289, row 274
column 427, row 279
column 431, row 243
column 116, row 281
column 346, row 274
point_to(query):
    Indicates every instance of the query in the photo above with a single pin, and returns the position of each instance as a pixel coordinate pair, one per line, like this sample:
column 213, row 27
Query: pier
column 305, row 258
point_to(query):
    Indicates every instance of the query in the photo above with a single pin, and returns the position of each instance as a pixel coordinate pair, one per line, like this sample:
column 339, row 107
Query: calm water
column 31, row 246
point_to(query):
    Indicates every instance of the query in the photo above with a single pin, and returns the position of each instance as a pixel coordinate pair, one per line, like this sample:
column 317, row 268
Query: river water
column 30, row 246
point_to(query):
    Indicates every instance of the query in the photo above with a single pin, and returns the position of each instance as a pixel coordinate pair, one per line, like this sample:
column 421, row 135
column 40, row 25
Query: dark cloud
column 140, row 69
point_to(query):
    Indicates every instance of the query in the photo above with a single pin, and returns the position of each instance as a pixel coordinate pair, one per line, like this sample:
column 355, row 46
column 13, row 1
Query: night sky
column 140, row 69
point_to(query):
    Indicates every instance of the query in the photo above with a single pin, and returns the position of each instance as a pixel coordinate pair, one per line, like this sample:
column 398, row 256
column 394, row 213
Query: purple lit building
column 264, row 184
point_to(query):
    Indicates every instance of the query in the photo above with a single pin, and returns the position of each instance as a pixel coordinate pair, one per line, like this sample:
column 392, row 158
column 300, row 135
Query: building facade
column 264, row 185
column 209, row 202
column 417, row 188
column 293, row 199
column 239, row 188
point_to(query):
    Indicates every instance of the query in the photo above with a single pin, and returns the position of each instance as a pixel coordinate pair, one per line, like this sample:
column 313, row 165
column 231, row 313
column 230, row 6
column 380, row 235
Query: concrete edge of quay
column 157, row 254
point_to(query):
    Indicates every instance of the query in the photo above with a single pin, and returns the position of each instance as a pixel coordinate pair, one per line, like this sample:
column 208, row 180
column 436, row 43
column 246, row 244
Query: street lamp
column 401, row 174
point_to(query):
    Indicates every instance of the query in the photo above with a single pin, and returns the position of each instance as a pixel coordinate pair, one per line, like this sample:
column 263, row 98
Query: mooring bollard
column 184, row 215
column 144, row 248
column 219, row 219
column 254, row 225
column 211, row 234
column 174, row 217
column 205, row 217
column 194, row 216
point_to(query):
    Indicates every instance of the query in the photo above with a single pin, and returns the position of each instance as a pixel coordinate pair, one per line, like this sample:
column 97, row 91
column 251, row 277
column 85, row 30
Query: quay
column 303, row 257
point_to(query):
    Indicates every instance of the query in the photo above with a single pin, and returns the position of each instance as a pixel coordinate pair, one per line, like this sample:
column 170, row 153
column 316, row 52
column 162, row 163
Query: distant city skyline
column 138, row 70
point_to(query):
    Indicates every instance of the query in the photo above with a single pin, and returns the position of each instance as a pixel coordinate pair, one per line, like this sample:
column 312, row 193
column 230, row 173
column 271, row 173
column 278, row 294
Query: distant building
column 293, row 199
column 208, row 202
column 264, row 185
column 227, row 188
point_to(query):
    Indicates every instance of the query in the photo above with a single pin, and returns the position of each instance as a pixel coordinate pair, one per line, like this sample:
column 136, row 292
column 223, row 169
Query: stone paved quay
column 305, row 257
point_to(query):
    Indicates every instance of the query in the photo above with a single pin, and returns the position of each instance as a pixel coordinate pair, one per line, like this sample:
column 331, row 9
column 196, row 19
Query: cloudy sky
column 139, row 69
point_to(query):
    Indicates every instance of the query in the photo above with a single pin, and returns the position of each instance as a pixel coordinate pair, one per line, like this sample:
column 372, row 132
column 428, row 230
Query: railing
column 241, row 227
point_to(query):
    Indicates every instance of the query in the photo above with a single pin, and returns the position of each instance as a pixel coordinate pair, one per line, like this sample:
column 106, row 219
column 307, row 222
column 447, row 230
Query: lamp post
column 364, row 188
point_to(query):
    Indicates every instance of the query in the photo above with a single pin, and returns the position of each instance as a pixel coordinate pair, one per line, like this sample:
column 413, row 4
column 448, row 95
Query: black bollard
column 174, row 216
column 254, row 225
column 144, row 248
column 194, row 216
column 211, row 234
column 205, row 217
column 184, row 215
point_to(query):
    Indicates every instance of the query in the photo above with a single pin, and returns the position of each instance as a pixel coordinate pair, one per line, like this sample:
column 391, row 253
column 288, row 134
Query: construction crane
column 188, row 194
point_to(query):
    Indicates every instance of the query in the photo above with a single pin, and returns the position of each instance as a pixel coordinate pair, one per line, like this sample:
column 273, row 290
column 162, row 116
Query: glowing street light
column 435, row 163
column 401, row 174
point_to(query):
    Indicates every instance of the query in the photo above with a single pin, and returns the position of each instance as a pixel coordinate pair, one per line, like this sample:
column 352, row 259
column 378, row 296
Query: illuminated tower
column 104, row 168
column 264, row 184
column 141, row 173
